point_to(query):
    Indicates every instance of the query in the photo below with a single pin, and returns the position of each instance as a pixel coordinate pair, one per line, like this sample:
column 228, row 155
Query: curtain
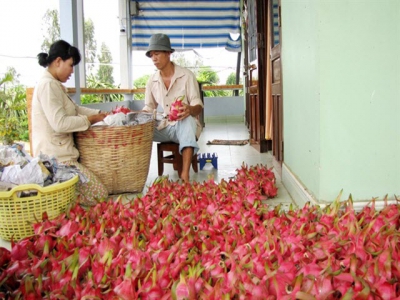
column 189, row 24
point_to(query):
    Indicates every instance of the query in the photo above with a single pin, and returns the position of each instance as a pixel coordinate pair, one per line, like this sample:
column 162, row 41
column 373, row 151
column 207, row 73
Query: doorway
column 264, row 102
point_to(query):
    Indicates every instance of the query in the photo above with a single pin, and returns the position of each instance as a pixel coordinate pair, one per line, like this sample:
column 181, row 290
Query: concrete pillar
column 125, row 43
column 71, row 30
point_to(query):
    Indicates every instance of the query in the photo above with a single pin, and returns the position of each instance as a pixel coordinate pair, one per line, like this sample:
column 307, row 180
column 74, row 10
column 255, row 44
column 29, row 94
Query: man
column 167, row 84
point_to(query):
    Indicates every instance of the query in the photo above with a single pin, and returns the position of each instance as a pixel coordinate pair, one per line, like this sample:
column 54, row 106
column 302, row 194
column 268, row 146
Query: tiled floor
column 230, row 158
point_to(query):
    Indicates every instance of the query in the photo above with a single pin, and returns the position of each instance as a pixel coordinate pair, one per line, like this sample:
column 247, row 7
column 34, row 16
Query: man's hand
column 184, row 111
column 188, row 110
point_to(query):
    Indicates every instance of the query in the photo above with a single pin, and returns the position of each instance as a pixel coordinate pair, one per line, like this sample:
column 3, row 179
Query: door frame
column 276, row 77
column 256, row 98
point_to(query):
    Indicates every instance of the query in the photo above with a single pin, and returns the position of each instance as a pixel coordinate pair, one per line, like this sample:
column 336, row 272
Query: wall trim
column 297, row 191
column 301, row 196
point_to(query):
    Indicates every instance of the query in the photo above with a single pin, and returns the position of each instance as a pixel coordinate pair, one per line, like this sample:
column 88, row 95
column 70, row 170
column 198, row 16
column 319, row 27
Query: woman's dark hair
column 59, row 49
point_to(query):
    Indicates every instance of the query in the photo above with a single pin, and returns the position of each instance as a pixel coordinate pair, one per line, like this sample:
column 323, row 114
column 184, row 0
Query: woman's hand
column 97, row 118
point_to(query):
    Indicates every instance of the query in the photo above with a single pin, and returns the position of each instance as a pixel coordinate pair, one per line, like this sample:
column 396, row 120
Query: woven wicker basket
column 118, row 155
column 18, row 213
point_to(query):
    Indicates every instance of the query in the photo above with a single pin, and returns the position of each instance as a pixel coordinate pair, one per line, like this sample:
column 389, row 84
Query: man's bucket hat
column 159, row 42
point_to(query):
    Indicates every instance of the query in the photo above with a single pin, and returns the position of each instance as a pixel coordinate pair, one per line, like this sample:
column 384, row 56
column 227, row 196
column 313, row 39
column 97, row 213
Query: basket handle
column 40, row 189
column 24, row 187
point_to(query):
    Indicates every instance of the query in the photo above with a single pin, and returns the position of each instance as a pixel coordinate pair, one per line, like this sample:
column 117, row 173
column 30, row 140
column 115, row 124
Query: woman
column 55, row 117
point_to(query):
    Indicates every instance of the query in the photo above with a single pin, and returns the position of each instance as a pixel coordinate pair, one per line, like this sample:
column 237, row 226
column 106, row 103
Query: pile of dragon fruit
column 208, row 241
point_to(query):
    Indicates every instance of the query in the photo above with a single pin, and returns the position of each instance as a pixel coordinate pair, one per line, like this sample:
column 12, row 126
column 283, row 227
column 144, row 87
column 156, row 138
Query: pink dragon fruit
column 175, row 106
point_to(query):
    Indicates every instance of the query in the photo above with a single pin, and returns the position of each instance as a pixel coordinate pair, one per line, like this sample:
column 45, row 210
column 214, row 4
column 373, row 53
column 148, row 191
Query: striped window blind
column 189, row 24
column 275, row 22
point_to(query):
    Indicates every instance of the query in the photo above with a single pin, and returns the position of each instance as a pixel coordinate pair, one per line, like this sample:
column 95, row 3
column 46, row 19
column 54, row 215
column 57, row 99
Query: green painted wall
column 341, row 90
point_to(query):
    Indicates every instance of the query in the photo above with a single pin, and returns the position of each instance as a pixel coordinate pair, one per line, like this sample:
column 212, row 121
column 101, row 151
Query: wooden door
column 256, row 69
column 277, row 99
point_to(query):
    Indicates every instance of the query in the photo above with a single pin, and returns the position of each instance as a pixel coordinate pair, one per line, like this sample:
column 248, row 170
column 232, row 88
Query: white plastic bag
column 31, row 173
column 118, row 119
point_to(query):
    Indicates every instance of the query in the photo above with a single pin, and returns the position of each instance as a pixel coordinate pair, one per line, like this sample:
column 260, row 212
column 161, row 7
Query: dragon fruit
column 122, row 109
column 175, row 106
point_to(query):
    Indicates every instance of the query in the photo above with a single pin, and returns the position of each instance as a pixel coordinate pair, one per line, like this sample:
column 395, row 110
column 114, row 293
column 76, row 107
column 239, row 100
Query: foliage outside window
column 139, row 84
column 13, row 115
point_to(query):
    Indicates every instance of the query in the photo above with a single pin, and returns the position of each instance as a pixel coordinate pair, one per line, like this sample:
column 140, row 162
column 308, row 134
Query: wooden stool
column 175, row 158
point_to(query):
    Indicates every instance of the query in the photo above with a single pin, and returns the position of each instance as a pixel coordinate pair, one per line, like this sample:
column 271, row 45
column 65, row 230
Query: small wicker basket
column 118, row 155
column 17, row 214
